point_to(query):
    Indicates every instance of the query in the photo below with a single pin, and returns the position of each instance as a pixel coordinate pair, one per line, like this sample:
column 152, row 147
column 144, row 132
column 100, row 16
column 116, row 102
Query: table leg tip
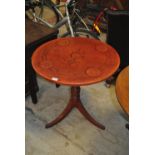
column 47, row 126
column 103, row 128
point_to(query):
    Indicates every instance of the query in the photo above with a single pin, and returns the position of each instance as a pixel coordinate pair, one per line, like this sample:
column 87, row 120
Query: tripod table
column 75, row 62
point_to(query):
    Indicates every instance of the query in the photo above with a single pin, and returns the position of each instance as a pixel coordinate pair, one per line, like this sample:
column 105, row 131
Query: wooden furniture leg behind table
column 75, row 102
column 35, row 35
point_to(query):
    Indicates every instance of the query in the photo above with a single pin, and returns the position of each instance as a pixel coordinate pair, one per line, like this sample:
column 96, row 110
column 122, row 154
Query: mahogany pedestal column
column 75, row 62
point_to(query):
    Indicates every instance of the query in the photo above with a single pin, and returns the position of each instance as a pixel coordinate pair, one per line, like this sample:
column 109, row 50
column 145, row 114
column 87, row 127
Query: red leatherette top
column 75, row 61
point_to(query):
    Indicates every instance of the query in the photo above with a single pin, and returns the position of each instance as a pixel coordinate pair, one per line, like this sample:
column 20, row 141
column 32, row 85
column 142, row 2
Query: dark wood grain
column 35, row 31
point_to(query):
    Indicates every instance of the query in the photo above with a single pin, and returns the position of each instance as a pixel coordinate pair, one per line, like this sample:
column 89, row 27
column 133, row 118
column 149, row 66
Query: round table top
column 122, row 89
column 75, row 61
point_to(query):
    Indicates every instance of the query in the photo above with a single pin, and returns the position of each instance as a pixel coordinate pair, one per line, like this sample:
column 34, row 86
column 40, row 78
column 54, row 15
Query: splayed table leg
column 75, row 102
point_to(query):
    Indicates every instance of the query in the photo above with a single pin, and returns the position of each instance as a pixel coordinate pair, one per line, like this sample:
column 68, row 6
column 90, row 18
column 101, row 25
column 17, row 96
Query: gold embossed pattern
column 93, row 72
column 75, row 61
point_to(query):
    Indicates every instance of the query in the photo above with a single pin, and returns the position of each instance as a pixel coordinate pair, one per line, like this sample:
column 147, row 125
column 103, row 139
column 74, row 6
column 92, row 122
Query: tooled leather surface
column 75, row 61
